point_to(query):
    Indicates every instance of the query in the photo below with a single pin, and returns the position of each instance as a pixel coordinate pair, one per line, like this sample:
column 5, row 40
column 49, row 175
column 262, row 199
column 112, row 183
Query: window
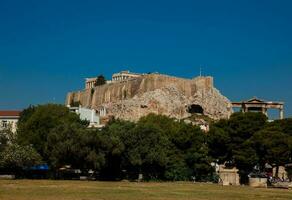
column 4, row 124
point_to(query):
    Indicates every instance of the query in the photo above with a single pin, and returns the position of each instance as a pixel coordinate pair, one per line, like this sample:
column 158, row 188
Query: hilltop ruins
column 130, row 96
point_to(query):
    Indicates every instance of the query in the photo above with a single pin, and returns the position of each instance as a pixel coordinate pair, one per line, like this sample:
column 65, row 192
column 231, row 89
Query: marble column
column 243, row 109
column 264, row 111
column 281, row 113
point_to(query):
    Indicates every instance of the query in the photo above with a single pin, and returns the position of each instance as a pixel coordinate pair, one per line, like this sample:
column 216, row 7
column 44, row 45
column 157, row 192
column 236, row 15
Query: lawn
column 78, row 190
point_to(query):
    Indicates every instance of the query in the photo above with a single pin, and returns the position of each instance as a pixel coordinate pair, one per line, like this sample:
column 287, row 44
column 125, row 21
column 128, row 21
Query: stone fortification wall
column 161, row 94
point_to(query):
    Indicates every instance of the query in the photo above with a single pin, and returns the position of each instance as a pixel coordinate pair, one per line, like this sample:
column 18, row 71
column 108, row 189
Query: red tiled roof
column 9, row 113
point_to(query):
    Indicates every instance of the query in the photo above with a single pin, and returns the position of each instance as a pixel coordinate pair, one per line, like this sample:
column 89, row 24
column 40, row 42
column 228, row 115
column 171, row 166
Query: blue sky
column 47, row 48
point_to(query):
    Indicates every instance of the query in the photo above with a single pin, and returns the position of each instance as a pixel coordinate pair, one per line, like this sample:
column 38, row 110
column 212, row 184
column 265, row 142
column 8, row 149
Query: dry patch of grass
column 78, row 190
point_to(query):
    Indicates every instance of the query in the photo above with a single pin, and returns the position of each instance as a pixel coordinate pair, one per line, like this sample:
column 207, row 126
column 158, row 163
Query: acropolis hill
column 130, row 96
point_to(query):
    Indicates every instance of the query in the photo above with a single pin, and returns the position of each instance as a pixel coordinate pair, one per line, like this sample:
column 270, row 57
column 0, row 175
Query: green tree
column 100, row 80
column 16, row 157
column 68, row 144
column 135, row 148
column 4, row 140
column 229, row 141
column 62, row 138
column 186, row 151
column 189, row 144
column 38, row 125
column 146, row 151
column 114, row 134
column 272, row 146
column 26, row 114
column 245, row 159
column 158, row 147
column 75, row 103
column 219, row 142
column 284, row 124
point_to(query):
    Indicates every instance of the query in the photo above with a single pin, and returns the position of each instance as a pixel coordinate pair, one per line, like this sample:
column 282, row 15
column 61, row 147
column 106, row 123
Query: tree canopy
column 247, row 140
column 60, row 137
column 100, row 80
column 158, row 147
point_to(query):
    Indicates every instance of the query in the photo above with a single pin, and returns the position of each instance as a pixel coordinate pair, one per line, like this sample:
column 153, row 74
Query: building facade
column 87, row 114
column 9, row 120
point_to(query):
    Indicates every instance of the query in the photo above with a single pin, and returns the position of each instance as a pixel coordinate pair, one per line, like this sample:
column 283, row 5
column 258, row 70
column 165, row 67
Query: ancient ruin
column 259, row 105
column 130, row 97
column 228, row 176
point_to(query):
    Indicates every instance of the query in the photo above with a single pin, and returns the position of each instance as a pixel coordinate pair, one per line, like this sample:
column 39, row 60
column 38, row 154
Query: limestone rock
column 155, row 93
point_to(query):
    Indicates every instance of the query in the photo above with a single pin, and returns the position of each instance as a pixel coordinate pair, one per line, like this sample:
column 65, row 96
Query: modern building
column 259, row 105
column 9, row 120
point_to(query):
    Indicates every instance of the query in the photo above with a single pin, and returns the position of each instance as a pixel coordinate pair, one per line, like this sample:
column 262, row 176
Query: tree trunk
column 277, row 171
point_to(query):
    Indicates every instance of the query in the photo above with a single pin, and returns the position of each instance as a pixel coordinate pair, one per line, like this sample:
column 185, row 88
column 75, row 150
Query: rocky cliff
column 156, row 93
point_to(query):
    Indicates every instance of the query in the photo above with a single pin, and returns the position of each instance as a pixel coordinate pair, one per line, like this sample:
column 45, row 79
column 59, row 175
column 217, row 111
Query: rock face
column 156, row 93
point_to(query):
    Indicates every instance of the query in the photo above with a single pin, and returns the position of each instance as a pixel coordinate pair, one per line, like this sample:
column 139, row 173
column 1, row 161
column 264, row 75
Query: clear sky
column 48, row 47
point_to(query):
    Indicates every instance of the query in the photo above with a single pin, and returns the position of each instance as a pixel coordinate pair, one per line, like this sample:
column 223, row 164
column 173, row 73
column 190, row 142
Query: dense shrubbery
column 156, row 146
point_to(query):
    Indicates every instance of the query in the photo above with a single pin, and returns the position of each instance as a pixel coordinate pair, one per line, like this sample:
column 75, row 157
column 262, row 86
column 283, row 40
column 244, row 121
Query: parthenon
column 124, row 75
column 258, row 105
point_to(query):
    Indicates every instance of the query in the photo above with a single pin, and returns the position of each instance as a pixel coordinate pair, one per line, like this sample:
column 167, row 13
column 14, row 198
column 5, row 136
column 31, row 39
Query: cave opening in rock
column 195, row 109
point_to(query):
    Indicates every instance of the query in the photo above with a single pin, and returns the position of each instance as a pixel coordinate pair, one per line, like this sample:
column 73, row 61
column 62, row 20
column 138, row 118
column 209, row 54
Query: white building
column 9, row 119
column 87, row 114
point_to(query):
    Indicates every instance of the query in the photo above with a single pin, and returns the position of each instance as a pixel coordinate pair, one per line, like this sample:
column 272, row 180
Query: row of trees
column 156, row 146
column 247, row 140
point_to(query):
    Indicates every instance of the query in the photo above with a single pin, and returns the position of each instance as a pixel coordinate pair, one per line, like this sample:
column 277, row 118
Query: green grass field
column 73, row 190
